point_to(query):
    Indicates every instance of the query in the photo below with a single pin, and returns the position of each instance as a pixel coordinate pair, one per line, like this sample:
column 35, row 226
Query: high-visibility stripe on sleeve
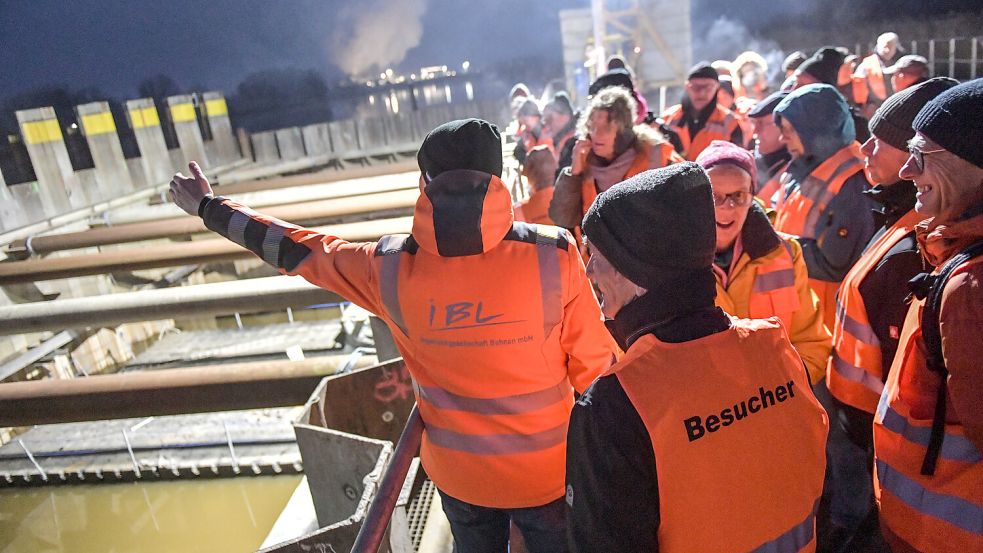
column 506, row 405
column 954, row 447
column 497, row 444
column 551, row 288
column 856, row 374
column 766, row 282
column 98, row 123
column 40, row 132
column 951, row 509
column 795, row 538
column 390, row 248
column 271, row 244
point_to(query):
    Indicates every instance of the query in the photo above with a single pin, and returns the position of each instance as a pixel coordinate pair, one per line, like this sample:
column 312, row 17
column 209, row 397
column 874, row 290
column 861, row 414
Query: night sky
column 214, row 44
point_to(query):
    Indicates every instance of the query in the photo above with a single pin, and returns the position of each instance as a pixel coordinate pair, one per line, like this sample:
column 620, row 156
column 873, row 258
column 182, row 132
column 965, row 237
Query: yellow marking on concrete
column 98, row 123
column 144, row 117
column 183, row 113
column 216, row 107
column 39, row 132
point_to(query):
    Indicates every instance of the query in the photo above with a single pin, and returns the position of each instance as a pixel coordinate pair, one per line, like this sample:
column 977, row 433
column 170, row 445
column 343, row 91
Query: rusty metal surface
column 220, row 298
column 301, row 213
column 203, row 251
column 164, row 392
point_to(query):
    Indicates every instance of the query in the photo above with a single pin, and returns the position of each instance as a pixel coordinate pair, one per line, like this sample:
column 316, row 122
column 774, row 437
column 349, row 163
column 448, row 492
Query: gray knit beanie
column 892, row 121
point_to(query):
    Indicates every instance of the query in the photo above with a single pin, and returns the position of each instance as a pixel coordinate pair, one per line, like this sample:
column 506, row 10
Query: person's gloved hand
column 188, row 192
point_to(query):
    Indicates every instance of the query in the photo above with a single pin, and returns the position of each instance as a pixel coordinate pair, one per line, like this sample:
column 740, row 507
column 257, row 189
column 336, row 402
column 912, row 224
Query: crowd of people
column 772, row 345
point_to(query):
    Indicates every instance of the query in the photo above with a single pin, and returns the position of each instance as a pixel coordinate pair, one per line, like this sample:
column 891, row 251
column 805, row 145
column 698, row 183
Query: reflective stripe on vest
column 497, row 444
column 550, row 288
column 855, row 373
column 508, row 405
column 942, row 512
column 391, row 248
column 801, row 212
column 795, row 539
column 773, row 293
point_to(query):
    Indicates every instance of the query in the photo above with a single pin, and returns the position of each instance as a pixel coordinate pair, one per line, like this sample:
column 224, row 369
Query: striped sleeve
column 345, row 268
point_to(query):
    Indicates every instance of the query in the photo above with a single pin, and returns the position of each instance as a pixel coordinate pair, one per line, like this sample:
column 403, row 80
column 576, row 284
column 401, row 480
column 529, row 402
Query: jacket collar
column 758, row 237
column 674, row 312
column 939, row 241
column 462, row 212
column 895, row 200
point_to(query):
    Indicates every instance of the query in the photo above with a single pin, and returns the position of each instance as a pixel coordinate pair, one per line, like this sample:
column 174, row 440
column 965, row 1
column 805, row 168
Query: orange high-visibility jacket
column 496, row 320
column 535, row 208
column 801, row 213
column 942, row 512
column 855, row 375
column 767, row 192
column 739, row 439
column 720, row 126
column 776, row 284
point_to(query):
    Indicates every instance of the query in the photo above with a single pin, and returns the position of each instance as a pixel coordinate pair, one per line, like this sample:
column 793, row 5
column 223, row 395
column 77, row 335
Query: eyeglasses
column 735, row 199
column 919, row 156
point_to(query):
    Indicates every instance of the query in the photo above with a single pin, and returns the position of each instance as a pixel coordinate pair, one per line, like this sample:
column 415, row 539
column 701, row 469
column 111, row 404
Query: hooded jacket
column 821, row 118
column 496, row 321
column 741, row 284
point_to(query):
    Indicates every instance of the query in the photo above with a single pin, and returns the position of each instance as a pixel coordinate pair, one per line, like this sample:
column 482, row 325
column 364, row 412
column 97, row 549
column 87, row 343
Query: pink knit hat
column 721, row 152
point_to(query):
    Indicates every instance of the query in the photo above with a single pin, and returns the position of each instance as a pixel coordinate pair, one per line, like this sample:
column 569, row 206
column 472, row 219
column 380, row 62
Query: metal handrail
column 380, row 512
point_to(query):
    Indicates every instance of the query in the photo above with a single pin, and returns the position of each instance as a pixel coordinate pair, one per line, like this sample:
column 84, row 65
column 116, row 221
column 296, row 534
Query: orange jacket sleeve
column 960, row 320
column 584, row 338
column 345, row 268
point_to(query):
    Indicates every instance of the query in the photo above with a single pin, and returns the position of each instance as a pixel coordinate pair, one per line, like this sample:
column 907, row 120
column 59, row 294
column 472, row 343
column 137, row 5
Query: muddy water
column 223, row 515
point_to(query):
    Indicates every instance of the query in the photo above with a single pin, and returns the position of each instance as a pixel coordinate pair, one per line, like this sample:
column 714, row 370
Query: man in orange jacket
column 495, row 361
column 706, row 436
column 699, row 119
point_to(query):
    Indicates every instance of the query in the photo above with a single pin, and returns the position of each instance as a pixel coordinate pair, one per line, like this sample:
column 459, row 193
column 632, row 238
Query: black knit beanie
column 703, row 70
column 614, row 77
column 656, row 226
column 824, row 65
column 954, row 120
column 472, row 144
column 892, row 121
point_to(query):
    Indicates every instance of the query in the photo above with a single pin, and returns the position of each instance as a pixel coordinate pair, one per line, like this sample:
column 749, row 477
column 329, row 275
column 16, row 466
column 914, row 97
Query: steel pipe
column 219, row 298
column 317, row 177
column 166, row 392
column 170, row 255
column 299, row 213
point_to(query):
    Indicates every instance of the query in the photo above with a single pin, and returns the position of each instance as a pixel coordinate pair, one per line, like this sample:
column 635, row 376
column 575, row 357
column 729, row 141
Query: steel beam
column 166, row 392
column 187, row 253
column 202, row 300
column 300, row 213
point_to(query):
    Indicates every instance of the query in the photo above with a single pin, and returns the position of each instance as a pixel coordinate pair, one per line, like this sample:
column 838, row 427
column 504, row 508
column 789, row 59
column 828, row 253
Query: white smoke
column 726, row 38
column 373, row 35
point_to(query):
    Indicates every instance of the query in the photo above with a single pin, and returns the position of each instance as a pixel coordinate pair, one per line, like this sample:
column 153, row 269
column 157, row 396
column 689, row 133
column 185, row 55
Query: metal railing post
column 931, row 55
column 972, row 70
column 952, row 57
column 380, row 512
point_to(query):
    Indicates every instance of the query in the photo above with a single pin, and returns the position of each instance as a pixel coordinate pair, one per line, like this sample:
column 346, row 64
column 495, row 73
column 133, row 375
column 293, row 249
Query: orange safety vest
column 801, row 213
column 767, row 191
column 855, row 375
column 942, row 512
column 738, row 437
column 535, row 208
column 720, row 126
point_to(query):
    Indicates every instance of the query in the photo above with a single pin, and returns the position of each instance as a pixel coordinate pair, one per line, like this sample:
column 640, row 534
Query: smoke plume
column 372, row 35
column 726, row 38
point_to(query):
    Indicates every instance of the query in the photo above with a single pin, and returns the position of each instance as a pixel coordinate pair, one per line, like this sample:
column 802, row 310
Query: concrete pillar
column 290, row 143
column 99, row 127
column 222, row 136
column 12, row 215
column 186, row 127
column 57, row 183
column 27, row 199
column 264, row 146
column 156, row 162
column 317, row 139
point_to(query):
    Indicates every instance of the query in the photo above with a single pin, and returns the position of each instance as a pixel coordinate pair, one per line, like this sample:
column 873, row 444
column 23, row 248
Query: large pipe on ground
column 230, row 387
column 171, row 255
column 219, row 298
column 319, row 177
column 299, row 213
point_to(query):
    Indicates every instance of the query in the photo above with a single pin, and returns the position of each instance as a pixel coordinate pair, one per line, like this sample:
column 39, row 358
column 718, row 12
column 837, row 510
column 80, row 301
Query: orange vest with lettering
column 855, row 375
column 801, row 213
column 739, row 439
column 938, row 513
column 720, row 126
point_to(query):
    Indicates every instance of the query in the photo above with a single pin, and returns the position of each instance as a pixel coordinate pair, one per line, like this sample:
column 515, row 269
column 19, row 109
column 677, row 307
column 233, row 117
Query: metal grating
column 418, row 511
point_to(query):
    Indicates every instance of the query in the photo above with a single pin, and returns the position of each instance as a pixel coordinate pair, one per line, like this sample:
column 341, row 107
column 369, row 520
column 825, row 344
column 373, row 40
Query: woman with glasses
column 760, row 273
